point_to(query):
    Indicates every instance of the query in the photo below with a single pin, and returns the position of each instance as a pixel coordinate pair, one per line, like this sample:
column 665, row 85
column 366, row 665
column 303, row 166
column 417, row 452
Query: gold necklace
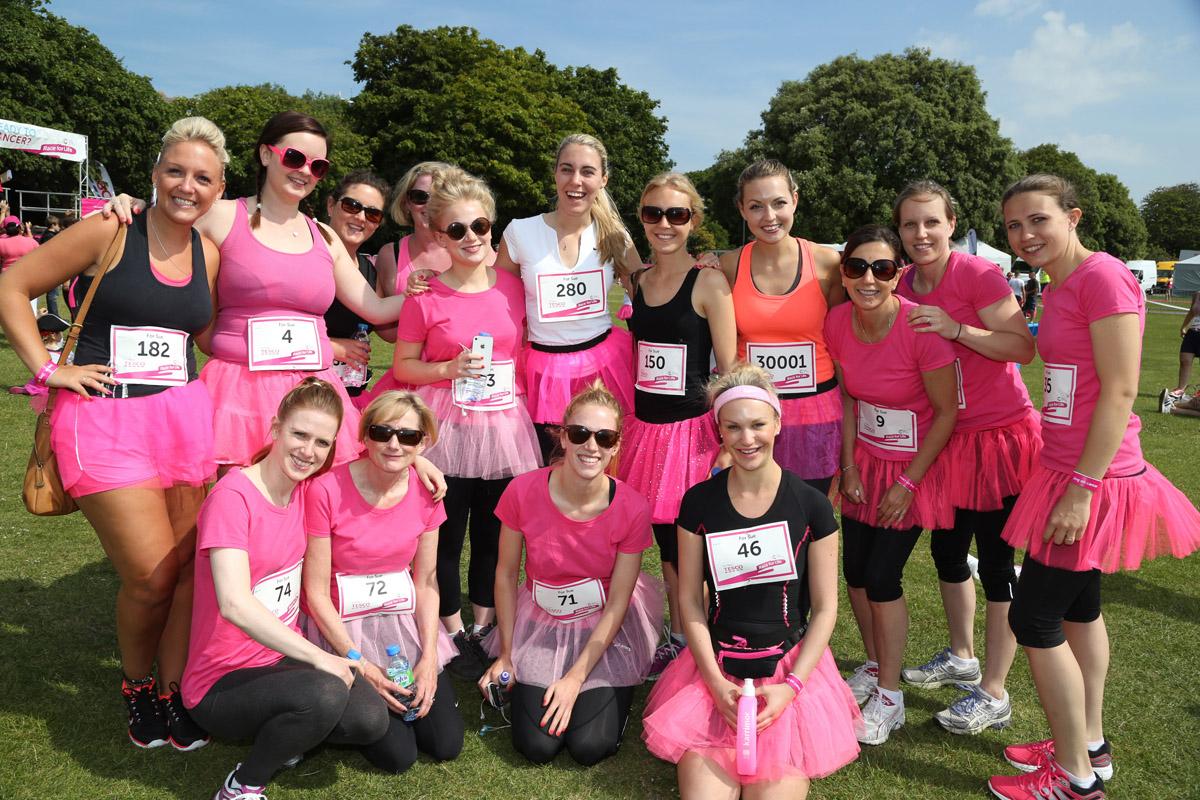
column 861, row 331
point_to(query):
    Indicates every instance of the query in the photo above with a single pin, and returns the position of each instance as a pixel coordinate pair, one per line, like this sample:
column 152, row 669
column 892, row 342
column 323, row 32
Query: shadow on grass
column 1127, row 588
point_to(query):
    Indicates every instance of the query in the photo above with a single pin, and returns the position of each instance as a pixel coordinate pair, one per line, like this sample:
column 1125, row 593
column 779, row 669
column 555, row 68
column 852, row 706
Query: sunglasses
column 294, row 159
column 417, row 197
column 405, row 436
column 457, row 230
column 605, row 437
column 651, row 215
column 351, row 206
column 884, row 269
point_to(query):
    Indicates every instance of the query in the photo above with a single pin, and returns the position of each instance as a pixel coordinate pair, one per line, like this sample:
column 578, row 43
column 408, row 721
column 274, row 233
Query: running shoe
column 940, row 671
column 1048, row 783
column 864, row 680
column 1035, row 755
column 147, row 723
column 232, row 790
column 667, row 652
column 185, row 733
column 974, row 712
column 1167, row 400
column 880, row 716
column 467, row 665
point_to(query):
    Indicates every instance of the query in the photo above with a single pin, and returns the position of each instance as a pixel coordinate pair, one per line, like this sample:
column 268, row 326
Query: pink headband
column 745, row 393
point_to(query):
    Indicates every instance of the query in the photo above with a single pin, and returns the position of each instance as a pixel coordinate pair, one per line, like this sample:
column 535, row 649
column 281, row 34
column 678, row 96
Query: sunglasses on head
column 457, row 230
column 579, row 434
column 351, row 206
column 651, row 215
column 417, row 197
column 406, row 436
column 884, row 269
column 295, row 159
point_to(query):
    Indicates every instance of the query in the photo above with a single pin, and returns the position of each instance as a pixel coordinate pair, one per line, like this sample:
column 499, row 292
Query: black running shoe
column 185, row 733
column 147, row 722
column 467, row 665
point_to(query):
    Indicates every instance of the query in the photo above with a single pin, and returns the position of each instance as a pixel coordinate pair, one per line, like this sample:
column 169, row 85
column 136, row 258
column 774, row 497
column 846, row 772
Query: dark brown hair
column 874, row 233
column 277, row 127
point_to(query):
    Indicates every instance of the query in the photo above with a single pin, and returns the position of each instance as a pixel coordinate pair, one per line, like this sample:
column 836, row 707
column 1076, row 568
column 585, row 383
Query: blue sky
column 1116, row 82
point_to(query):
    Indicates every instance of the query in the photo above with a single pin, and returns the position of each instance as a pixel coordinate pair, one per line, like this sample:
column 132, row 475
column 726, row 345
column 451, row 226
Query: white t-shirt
column 534, row 245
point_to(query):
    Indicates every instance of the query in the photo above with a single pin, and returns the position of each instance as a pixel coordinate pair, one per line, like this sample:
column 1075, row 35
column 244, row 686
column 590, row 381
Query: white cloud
column 944, row 45
column 1007, row 8
column 1066, row 67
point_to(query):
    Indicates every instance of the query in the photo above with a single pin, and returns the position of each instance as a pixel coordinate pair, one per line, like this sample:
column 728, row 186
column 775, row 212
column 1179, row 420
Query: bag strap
column 76, row 326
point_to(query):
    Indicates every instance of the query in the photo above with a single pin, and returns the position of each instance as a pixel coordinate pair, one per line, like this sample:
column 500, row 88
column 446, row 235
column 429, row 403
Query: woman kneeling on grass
column 764, row 543
column 251, row 674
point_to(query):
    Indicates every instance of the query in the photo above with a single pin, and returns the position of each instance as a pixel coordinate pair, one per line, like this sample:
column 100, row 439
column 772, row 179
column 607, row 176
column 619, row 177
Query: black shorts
column 1191, row 342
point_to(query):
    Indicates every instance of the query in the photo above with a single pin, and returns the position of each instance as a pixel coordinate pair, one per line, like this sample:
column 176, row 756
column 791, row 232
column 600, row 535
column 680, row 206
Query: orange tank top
column 783, row 334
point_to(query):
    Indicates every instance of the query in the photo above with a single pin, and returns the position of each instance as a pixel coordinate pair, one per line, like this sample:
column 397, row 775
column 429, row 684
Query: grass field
column 62, row 718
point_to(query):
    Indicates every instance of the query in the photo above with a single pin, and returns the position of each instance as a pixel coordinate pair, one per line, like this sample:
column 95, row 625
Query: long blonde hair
column 612, row 237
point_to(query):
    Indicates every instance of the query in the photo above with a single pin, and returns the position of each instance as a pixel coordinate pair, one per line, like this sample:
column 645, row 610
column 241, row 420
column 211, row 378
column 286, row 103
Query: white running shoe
column 940, row 671
column 974, row 712
column 864, row 680
column 880, row 717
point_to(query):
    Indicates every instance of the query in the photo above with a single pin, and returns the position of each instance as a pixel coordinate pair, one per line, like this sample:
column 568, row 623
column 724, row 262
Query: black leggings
column 874, row 558
column 593, row 734
column 439, row 734
column 289, row 708
column 1046, row 596
column 949, row 550
column 473, row 500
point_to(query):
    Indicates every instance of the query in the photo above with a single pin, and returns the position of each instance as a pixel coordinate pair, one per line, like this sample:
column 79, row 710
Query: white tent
column 1186, row 276
column 984, row 250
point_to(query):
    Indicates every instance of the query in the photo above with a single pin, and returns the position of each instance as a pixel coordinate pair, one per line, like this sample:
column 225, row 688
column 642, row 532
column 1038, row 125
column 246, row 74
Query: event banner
column 42, row 141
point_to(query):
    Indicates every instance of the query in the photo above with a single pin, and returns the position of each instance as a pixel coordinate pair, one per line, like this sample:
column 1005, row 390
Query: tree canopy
column 1172, row 217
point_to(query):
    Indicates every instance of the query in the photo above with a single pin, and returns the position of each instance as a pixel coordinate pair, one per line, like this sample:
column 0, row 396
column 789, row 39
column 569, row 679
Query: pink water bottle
column 747, row 730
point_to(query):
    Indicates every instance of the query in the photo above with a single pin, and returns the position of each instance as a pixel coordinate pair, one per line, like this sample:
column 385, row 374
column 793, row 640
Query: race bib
column 888, row 428
column 279, row 592
column 1058, row 393
column 382, row 593
column 571, row 601
column 660, row 368
column 494, row 390
column 148, row 355
column 281, row 343
column 962, row 398
column 792, row 364
column 747, row 556
column 563, row 296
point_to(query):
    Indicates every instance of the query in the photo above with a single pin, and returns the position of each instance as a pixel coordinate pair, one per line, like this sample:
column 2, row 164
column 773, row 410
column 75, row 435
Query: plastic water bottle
column 354, row 377
column 401, row 674
column 747, row 730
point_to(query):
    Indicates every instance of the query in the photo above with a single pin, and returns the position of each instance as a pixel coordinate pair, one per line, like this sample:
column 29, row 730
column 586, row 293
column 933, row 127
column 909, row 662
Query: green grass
column 61, row 716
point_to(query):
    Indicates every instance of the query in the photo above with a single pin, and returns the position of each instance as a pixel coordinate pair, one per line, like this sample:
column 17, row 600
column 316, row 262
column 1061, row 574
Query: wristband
column 955, row 339
column 797, row 685
column 906, row 483
column 1085, row 481
column 354, row 655
column 43, row 374
column 849, row 467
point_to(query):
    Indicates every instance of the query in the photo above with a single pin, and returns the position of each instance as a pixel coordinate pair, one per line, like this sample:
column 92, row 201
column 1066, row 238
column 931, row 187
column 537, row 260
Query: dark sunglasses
column 351, row 206
column 457, row 230
column 884, row 269
column 294, row 159
column 605, row 437
column 651, row 215
column 417, row 197
column 406, row 436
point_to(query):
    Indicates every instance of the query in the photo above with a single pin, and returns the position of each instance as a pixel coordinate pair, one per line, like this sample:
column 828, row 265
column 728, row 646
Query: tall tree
column 1172, row 217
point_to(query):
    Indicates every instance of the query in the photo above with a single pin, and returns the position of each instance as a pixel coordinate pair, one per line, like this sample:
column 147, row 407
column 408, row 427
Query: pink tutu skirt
column 813, row 737
column 989, row 465
column 1134, row 519
column 372, row 635
column 165, row 439
column 552, row 379
column 663, row 461
column 810, row 442
column 246, row 402
column 480, row 444
column 930, row 507
column 544, row 648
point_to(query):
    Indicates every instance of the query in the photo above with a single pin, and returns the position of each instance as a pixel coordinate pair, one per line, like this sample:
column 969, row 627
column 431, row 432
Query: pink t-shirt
column 1099, row 287
column 365, row 540
column 447, row 320
column 237, row 515
column 885, row 381
column 991, row 393
column 560, row 550
column 256, row 281
column 13, row 247
column 404, row 265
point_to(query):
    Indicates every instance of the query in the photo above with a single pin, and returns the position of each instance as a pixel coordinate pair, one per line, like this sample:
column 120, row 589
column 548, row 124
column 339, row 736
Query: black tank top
column 674, row 322
column 341, row 322
column 132, row 295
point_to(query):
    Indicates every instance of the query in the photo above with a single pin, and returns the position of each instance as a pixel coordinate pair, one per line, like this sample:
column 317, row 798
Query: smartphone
column 481, row 345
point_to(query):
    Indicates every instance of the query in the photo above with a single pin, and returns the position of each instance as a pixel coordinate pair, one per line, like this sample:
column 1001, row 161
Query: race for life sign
column 42, row 141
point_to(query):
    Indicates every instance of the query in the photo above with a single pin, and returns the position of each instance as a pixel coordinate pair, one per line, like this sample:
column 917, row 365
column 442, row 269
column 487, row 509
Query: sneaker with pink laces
column 1035, row 755
column 232, row 790
column 1047, row 783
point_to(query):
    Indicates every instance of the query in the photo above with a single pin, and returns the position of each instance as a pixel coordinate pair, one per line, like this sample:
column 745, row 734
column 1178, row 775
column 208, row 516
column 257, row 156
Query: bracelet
column 354, row 655
column 906, row 483
column 43, row 374
column 797, row 685
column 849, row 467
column 955, row 339
column 1085, row 481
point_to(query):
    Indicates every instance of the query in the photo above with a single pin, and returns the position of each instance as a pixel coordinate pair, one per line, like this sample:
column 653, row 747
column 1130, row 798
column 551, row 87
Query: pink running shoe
column 1047, row 783
column 1035, row 755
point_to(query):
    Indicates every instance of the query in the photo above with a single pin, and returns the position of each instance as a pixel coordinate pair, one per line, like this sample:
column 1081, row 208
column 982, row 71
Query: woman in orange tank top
column 782, row 288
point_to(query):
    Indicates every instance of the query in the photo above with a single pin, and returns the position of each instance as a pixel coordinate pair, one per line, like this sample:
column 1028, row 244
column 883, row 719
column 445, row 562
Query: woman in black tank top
column 132, row 428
